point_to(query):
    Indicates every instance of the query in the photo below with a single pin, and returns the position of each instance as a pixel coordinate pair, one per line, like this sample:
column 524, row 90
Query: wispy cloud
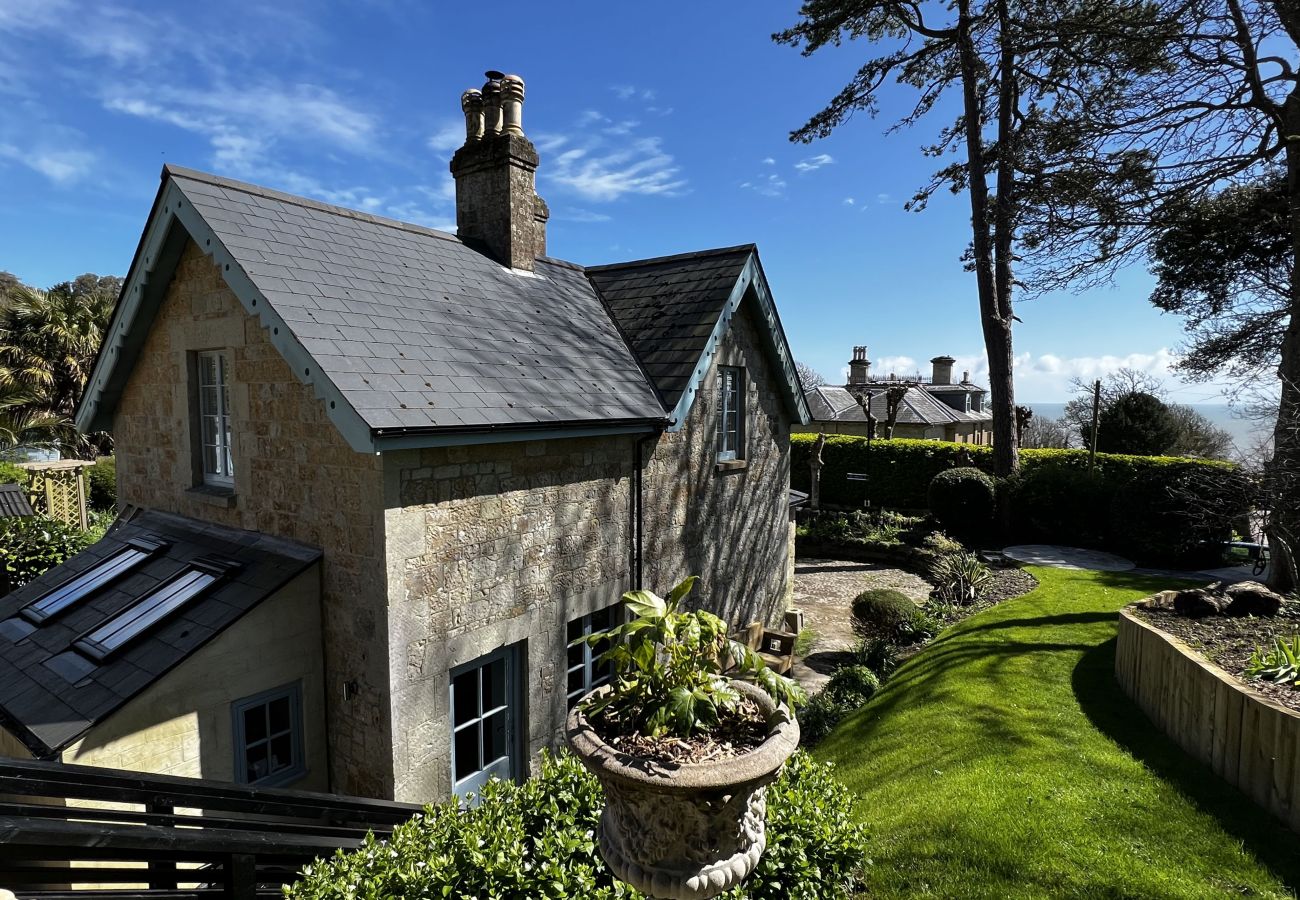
column 848, row 201
column 629, row 92
column 884, row 199
column 813, row 163
column 580, row 215
column 62, row 166
column 770, row 185
column 605, row 159
column 448, row 138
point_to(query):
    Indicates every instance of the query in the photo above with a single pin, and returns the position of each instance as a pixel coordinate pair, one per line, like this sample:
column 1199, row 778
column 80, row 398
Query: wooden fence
column 1248, row 740
column 84, row 832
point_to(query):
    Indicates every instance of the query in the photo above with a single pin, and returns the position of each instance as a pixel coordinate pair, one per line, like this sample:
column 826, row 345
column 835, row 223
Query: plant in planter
column 684, row 740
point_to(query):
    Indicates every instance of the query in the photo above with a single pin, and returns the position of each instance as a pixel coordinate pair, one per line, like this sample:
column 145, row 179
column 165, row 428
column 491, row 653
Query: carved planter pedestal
column 690, row 831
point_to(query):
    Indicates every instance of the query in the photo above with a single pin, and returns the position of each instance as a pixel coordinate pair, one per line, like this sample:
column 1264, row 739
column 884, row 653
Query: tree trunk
column 1284, row 474
column 996, row 323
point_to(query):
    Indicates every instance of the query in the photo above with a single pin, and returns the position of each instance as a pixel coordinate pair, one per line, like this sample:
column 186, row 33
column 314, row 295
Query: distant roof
column 52, row 691
column 14, row 502
column 838, row 404
column 407, row 332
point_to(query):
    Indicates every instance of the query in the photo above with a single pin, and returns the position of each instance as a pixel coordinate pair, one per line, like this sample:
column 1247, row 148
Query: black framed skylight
column 119, row 630
column 99, row 576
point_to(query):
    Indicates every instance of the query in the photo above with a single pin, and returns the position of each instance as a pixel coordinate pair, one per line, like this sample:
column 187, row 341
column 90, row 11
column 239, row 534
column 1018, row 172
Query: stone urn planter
column 686, row 831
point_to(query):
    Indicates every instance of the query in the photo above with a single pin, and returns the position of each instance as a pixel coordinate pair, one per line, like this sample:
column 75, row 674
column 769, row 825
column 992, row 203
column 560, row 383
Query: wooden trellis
column 58, row 489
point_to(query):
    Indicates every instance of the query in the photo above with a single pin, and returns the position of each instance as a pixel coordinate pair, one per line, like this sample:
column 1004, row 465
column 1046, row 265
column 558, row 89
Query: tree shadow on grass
column 1119, row 718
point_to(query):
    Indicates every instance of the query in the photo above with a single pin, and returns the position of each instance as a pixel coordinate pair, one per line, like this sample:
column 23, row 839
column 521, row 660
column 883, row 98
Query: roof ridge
column 258, row 190
column 674, row 257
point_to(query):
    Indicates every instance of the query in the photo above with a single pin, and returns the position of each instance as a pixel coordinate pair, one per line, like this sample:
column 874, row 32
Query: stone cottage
column 408, row 469
column 935, row 408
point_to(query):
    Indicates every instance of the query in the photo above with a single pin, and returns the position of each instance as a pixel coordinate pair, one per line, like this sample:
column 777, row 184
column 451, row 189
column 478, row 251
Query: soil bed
column 1228, row 642
column 738, row 732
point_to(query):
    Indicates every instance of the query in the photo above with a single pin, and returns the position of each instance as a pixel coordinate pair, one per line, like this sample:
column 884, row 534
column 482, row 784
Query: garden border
column 1247, row 739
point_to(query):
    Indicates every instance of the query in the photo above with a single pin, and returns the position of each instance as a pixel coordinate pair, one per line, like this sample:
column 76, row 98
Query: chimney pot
column 492, row 104
column 859, row 366
column 471, row 103
column 942, row 369
column 512, row 104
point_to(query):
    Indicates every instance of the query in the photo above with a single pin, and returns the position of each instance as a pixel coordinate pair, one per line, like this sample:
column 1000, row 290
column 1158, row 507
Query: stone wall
column 504, row 544
column 294, row 477
column 182, row 724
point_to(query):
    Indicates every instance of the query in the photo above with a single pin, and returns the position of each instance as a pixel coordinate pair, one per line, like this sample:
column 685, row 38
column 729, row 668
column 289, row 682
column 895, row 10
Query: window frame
column 72, row 591
column 509, row 766
column 731, row 402
column 223, row 432
column 589, row 654
column 297, row 742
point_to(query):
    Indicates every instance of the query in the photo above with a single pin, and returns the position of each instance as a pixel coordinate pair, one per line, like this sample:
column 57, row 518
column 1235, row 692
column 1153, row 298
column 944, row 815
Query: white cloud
column 768, row 161
column 848, row 201
column 448, row 138
column 884, row 198
column 62, row 166
column 770, row 185
column 813, row 163
column 630, row 92
column 604, row 160
column 580, row 215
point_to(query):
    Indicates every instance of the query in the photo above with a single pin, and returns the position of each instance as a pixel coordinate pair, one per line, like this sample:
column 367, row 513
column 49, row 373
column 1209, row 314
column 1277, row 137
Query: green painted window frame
column 296, row 767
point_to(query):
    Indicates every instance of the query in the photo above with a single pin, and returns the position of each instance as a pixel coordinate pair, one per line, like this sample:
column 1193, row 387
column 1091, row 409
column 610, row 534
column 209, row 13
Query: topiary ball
column 882, row 611
column 963, row 500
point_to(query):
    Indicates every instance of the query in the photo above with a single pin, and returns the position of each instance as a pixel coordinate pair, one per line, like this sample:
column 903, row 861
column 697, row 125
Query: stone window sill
column 732, row 465
column 213, row 495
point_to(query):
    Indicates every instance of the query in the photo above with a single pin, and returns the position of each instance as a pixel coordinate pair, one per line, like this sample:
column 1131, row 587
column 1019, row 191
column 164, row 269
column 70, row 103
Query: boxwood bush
column 963, row 499
column 1053, row 498
column 538, row 840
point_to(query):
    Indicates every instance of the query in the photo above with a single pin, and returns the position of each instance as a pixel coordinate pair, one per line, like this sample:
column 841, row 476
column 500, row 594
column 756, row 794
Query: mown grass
column 1004, row 761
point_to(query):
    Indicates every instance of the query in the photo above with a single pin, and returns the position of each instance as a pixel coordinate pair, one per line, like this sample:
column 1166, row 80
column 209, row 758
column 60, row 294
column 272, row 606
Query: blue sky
column 662, row 128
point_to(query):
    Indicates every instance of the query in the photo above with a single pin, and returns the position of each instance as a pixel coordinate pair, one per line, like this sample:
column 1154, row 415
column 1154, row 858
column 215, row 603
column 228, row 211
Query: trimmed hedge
column 538, row 840
column 963, row 500
column 1152, row 509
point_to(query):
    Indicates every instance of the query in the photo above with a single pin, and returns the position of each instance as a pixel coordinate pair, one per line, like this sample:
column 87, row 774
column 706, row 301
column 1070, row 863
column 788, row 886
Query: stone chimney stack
column 859, row 367
column 496, row 175
column 942, row 373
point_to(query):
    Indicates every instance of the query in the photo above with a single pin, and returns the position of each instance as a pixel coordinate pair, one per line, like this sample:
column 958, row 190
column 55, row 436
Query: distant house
column 936, row 408
column 376, row 478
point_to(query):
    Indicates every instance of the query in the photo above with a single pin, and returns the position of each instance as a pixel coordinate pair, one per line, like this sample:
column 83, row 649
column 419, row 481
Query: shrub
column 31, row 545
column 101, row 484
column 1067, row 509
column 963, row 500
column 1177, row 516
column 848, row 690
column 882, row 612
column 12, row 473
column 854, row 682
column 1060, row 503
column 538, row 840
column 940, row 544
column 959, row 579
column 877, row 654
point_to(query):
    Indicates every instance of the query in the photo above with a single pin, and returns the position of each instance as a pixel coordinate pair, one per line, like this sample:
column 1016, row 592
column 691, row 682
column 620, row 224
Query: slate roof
column 417, row 328
column 829, row 403
column 668, row 307
column 14, row 502
column 52, row 693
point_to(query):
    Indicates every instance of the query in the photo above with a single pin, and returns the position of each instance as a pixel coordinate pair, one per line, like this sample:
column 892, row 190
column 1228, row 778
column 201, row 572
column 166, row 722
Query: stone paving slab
column 1067, row 557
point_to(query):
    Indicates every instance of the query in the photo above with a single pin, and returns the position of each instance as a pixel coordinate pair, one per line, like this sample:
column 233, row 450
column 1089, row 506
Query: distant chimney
column 496, row 175
column 859, row 367
column 942, row 373
column 965, row 377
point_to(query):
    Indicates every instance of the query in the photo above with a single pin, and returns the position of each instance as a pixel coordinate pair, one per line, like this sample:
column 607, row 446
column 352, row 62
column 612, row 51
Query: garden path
column 824, row 589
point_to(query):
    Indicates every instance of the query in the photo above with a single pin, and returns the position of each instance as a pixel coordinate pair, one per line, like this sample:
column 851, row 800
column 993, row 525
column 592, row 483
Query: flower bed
column 1248, row 740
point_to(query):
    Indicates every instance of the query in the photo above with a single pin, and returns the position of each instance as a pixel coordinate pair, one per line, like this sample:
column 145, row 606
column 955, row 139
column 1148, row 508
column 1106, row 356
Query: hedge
column 1138, row 506
column 538, row 840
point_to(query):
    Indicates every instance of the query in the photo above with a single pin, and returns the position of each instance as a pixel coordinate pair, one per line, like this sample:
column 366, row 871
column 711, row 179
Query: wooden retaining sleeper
column 1248, row 740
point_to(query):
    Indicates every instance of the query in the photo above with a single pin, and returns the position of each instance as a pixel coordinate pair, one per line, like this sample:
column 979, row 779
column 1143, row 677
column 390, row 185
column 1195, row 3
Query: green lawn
column 1004, row 761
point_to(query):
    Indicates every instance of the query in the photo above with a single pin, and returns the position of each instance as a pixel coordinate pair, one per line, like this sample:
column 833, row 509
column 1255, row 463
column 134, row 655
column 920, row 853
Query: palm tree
column 23, row 426
column 48, row 342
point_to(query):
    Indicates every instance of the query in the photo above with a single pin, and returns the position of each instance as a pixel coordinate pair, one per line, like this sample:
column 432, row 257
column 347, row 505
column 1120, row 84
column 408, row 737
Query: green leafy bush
column 849, row 689
column 1061, row 504
column 12, row 473
column 667, row 668
column 963, row 500
column 1067, row 507
column 880, row 655
column 538, row 840
column 31, row 545
column 1179, row 516
column 882, row 612
column 959, row 579
column 101, row 484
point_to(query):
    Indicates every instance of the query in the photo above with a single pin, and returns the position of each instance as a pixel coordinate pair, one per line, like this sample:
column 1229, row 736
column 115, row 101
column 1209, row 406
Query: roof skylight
column 93, row 579
column 114, row 633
